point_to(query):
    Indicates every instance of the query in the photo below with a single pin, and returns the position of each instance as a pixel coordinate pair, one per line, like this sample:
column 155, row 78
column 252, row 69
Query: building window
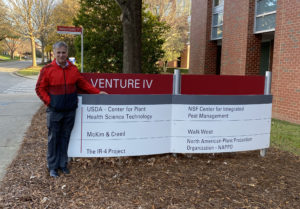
column 217, row 20
column 218, row 3
column 265, row 16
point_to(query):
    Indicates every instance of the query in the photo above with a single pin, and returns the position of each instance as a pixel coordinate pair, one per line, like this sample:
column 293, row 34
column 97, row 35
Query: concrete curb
column 34, row 77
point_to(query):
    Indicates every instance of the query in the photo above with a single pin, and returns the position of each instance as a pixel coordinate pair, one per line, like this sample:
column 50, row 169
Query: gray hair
column 60, row 44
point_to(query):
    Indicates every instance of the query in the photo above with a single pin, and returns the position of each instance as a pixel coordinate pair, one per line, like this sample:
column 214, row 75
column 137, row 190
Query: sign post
column 73, row 31
column 82, row 50
column 267, row 91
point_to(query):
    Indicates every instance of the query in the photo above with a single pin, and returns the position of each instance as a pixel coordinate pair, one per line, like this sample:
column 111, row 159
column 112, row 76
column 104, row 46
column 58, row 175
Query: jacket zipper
column 65, row 87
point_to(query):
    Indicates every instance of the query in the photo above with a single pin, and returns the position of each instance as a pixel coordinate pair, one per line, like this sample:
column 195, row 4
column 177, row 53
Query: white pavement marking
column 25, row 87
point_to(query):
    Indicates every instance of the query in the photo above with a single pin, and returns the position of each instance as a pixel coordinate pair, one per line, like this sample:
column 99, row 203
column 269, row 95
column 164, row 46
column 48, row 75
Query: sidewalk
column 16, row 112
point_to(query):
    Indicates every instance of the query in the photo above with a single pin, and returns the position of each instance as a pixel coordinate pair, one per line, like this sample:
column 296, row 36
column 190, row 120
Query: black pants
column 60, row 125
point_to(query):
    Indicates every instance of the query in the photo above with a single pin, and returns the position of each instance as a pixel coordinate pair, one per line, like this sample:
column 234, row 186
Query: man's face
column 61, row 55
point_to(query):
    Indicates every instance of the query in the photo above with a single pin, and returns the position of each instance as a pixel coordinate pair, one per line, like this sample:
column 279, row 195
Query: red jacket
column 57, row 87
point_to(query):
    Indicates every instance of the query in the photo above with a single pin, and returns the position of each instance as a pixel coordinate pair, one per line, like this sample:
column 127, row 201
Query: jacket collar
column 54, row 62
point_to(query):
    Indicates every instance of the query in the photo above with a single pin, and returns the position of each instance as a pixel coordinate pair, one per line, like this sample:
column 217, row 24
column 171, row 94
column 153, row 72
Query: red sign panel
column 69, row 30
column 222, row 85
column 163, row 84
column 114, row 83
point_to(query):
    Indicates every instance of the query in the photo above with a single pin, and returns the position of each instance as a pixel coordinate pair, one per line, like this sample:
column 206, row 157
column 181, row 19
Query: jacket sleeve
column 83, row 84
column 41, row 87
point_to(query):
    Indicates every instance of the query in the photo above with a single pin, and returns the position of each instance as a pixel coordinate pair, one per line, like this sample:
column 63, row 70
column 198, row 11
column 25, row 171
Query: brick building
column 183, row 60
column 249, row 37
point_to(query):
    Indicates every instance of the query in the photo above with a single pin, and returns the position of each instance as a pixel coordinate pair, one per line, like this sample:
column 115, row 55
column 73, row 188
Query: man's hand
column 103, row 92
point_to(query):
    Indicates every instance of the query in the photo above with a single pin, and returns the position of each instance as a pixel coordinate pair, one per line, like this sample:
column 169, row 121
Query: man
column 57, row 87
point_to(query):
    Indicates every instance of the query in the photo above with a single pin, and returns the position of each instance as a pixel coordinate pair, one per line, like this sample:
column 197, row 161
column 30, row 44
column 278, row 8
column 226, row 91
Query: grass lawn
column 5, row 58
column 285, row 136
column 30, row 71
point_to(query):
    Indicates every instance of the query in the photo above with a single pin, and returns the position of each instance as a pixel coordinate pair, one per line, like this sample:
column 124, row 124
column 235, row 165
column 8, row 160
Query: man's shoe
column 65, row 170
column 53, row 173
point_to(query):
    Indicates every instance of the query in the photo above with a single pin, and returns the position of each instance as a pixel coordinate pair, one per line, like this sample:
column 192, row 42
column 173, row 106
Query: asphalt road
column 13, row 66
column 18, row 103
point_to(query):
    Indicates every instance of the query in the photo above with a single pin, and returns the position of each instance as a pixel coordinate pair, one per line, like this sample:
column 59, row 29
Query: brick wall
column 198, row 36
column 172, row 63
column 185, row 57
column 240, row 47
column 203, row 52
column 253, row 44
column 286, row 62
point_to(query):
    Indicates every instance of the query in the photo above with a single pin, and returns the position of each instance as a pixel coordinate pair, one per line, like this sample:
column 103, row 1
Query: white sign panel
column 128, row 125
column 220, row 128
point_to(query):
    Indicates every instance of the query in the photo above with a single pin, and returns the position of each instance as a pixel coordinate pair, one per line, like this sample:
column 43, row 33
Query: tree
column 152, row 42
column 43, row 19
column 63, row 14
column 22, row 13
column 24, row 47
column 102, row 35
column 132, row 30
column 4, row 23
column 175, row 13
column 103, row 39
column 12, row 43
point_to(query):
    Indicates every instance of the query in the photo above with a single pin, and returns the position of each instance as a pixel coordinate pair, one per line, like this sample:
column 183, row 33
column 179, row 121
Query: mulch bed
column 232, row 180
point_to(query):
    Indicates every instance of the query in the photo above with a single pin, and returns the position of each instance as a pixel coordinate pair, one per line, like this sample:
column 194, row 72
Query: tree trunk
column 33, row 51
column 43, row 53
column 132, row 30
column 11, row 54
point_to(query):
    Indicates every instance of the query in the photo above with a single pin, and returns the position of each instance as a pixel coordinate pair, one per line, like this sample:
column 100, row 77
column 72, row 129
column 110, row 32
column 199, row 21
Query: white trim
column 215, row 39
column 69, row 32
column 265, row 14
column 215, row 26
column 263, row 31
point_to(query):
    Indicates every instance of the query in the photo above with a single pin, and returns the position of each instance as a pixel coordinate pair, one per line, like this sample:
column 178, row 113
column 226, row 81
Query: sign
column 131, row 83
column 222, row 84
column 213, row 124
column 163, row 84
column 131, row 125
column 73, row 31
column 69, row 30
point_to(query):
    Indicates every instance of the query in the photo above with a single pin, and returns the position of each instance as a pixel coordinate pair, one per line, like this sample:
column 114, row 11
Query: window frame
column 262, row 15
column 216, row 10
